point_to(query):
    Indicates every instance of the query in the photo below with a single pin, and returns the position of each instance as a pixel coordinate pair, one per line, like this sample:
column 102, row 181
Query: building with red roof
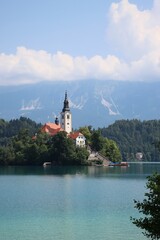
column 66, row 125
column 78, row 138
column 52, row 128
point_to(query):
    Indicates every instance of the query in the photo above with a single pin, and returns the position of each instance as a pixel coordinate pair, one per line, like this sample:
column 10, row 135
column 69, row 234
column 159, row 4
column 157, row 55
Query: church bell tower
column 66, row 116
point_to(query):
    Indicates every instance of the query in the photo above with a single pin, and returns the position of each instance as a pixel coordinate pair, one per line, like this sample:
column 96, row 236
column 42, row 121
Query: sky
column 55, row 40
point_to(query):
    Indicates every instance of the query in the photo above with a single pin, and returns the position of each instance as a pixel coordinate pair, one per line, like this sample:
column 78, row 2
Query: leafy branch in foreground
column 150, row 208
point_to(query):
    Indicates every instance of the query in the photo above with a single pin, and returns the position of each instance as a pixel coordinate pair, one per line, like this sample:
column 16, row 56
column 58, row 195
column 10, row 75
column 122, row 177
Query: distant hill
column 137, row 140
column 96, row 103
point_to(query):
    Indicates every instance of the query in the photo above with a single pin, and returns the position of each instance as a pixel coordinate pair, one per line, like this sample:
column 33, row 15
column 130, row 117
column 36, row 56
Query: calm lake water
column 71, row 203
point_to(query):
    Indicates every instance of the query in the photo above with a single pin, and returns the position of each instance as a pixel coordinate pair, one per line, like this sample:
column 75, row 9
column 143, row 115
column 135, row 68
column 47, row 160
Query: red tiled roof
column 52, row 125
column 51, row 128
column 74, row 135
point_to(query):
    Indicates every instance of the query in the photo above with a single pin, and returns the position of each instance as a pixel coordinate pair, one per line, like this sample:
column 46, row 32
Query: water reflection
column 134, row 170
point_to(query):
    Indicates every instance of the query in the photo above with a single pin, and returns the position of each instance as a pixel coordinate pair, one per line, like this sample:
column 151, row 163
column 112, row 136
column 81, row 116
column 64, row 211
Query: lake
column 71, row 203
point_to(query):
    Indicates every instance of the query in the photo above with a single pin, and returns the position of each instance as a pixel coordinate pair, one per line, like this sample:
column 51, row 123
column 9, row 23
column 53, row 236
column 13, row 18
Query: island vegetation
column 23, row 143
column 28, row 146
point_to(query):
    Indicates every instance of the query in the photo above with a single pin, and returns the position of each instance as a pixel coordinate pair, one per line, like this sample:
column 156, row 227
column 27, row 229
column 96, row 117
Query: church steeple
column 66, row 104
column 66, row 116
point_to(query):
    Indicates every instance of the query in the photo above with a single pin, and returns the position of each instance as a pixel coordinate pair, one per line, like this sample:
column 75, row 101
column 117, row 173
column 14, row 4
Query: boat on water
column 121, row 164
column 45, row 164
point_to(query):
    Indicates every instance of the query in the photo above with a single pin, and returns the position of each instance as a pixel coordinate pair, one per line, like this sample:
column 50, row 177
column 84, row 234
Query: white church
column 65, row 125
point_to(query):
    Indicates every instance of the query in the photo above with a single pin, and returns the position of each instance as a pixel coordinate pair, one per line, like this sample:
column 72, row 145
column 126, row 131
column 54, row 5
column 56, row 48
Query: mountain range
column 92, row 102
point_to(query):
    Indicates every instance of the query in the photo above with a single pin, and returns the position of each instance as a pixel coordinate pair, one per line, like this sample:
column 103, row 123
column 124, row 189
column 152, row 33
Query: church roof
column 51, row 128
column 74, row 135
column 66, row 104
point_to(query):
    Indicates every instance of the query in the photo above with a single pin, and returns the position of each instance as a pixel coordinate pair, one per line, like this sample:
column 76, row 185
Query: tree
column 112, row 151
column 96, row 141
column 157, row 145
column 6, row 155
column 150, row 208
column 133, row 136
column 86, row 131
column 62, row 149
column 81, row 156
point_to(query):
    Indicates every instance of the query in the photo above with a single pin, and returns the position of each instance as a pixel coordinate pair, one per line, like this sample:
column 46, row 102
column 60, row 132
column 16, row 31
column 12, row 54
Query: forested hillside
column 128, row 136
column 13, row 127
column 20, row 146
column 134, row 136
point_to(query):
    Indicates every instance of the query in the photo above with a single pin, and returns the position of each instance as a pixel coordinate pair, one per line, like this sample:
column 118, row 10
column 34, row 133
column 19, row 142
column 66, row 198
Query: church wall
column 66, row 121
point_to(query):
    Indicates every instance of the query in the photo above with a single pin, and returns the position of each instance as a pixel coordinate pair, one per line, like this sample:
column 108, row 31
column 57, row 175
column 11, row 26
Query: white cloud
column 133, row 38
column 28, row 66
column 132, row 33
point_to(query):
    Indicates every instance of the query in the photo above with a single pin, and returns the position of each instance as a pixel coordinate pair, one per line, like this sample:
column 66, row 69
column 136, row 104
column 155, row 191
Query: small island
column 23, row 142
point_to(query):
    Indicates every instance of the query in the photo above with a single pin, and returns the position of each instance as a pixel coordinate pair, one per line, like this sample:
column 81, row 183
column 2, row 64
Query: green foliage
column 134, row 136
column 112, row 151
column 150, row 208
column 7, row 155
column 81, row 156
column 26, row 149
column 13, row 127
column 126, row 137
column 96, row 141
column 103, row 145
column 157, row 145
column 86, row 131
column 63, row 151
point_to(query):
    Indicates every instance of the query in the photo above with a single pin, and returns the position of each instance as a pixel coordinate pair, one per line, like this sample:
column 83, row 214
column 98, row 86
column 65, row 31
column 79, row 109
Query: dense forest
column 13, row 127
column 22, row 143
column 135, row 136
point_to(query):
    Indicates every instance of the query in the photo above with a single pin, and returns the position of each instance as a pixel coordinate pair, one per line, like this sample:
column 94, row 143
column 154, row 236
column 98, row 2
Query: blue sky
column 79, row 39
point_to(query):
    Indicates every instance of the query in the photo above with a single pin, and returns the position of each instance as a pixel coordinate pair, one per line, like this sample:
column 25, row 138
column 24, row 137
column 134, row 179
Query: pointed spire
column 66, row 95
column 66, row 103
